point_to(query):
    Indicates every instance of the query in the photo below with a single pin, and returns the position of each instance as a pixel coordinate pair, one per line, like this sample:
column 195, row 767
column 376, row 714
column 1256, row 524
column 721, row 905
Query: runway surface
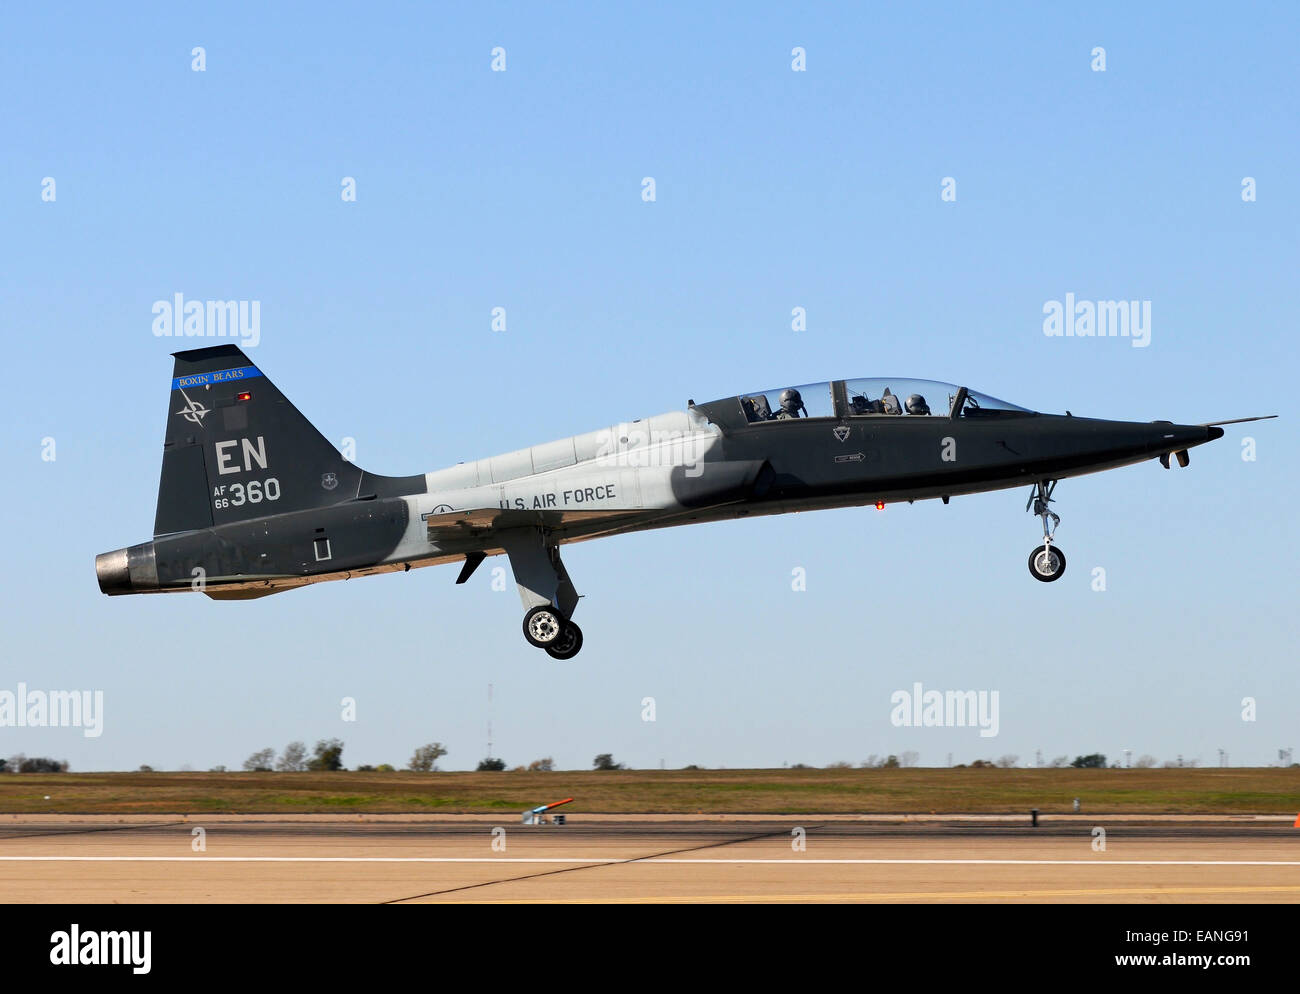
column 404, row 859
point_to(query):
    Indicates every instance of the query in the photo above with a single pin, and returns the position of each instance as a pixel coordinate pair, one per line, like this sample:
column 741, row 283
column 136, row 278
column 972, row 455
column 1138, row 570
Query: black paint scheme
column 232, row 437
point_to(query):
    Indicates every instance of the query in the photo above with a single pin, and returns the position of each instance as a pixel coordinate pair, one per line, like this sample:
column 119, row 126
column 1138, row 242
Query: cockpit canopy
column 882, row 396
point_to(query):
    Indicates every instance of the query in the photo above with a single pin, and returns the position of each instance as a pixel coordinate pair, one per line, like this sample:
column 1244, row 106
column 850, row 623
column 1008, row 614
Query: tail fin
column 237, row 449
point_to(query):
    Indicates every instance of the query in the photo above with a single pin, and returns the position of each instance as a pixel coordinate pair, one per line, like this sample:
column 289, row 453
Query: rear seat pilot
column 791, row 405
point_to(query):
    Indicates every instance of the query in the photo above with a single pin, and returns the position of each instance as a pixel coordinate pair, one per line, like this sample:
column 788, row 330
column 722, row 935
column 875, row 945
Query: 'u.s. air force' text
column 562, row 498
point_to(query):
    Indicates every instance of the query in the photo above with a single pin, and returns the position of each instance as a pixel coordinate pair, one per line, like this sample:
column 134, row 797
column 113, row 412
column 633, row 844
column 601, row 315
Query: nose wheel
column 1047, row 562
column 546, row 628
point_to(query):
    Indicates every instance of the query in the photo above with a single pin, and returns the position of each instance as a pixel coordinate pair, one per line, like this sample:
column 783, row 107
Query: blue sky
column 774, row 189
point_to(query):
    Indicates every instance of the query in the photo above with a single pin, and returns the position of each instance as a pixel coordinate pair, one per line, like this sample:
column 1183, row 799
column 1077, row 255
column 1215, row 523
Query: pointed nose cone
column 1175, row 437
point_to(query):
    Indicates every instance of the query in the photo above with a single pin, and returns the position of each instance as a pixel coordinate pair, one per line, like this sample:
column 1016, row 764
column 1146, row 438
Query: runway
column 406, row 859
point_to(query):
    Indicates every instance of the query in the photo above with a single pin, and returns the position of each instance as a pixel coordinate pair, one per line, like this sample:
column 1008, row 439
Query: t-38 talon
column 253, row 500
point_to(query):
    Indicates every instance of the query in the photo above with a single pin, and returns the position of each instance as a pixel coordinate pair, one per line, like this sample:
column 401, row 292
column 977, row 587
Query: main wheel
column 543, row 625
column 568, row 644
column 1047, row 563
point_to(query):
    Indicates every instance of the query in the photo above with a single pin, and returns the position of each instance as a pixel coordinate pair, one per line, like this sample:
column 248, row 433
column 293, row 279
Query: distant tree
column 385, row 768
column 692, row 767
column 4, row 766
column 1095, row 761
column 261, row 761
column 145, row 768
column 42, row 764
column 871, row 762
column 425, row 758
column 1059, row 762
column 217, row 769
column 328, row 756
column 545, row 765
column 890, row 762
column 839, row 765
column 491, row 765
column 909, row 758
column 800, row 766
column 15, row 763
column 605, row 761
column 982, row 764
column 1145, row 762
column 293, row 759
column 365, row 769
column 1007, row 761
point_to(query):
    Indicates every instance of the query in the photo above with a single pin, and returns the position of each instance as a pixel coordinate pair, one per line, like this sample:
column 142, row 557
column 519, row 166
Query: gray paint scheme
column 253, row 500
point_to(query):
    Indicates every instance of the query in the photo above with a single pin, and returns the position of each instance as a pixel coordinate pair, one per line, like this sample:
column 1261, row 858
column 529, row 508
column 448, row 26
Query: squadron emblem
column 193, row 411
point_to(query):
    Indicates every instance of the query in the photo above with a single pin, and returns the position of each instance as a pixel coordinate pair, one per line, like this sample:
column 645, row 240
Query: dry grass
column 1187, row 791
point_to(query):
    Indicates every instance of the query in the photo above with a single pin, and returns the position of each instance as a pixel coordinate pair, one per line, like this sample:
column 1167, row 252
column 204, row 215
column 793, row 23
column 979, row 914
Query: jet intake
column 127, row 571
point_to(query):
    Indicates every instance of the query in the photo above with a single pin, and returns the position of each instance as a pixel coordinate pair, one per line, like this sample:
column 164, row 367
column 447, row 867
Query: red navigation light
column 880, row 505
column 244, row 396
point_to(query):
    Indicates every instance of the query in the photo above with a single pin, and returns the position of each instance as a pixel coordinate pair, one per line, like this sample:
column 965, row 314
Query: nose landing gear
column 1047, row 562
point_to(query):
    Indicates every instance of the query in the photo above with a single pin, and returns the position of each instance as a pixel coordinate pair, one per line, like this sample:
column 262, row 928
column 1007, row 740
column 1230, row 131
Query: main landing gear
column 546, row 628
column 546, row 591
column 1047, row 562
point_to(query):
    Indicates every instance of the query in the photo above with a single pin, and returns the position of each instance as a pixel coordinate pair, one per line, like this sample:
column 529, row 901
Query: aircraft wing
column 472, row 521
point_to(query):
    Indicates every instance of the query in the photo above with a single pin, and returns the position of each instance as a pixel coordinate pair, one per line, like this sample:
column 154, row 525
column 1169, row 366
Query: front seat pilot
column 916, row 405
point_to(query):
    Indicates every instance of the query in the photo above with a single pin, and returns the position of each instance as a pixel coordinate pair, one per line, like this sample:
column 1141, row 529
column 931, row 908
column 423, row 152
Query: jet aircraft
column 253, row 500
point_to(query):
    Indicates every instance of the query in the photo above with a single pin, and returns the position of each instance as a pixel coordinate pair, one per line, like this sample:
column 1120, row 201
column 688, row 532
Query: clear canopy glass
column 810, row 400
column 893, row 395
column 878, row 396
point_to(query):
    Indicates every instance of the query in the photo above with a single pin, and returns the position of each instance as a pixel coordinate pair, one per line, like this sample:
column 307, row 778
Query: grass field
column 941, row 791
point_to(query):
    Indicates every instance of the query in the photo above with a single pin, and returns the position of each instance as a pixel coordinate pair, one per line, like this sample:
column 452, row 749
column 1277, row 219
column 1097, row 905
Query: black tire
column 1039, row 559
column 568, row 644
column 543, row 625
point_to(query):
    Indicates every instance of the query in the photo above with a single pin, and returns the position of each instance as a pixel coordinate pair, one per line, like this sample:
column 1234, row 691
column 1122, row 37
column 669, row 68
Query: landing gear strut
column 1047, row 561
column 547, row 592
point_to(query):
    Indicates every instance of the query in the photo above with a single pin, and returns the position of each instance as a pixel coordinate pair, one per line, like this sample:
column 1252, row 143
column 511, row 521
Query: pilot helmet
column 916, row 405
column 791, row 401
